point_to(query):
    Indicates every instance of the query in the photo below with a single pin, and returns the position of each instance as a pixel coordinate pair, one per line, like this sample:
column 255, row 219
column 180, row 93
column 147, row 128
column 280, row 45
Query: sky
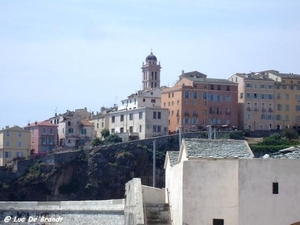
column 63, row 55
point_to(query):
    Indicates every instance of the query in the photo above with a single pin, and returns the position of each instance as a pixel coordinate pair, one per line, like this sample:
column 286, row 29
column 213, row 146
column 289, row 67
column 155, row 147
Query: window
column 204, row 95
column 140, row 128
column 121, row 130
column 19, row 144
column 263, row 86
column 152, row 100
column 121, row 118
column 218, row 222
column 287, row 96
column 7, row 154
column 154, row 115
column 44, row 130
column 7, row 133
column 158, row 115
column 212, row 87
column 112, row 130
column 270, row 86
column 255, row 85
column 69, row 123
column 140, row 115
column 144, row 100
column 83, row 131
column 275, row 188
column 7, row 143
column 287, row 107
column 227, row 88
column 51, row 131
column 19, row 154
column 113, row 119
column 70, row 130
column 186, row 94
column 130, row 116
column 248, row 85
column 19, row 134
column 159, row 128
column 219, row 87
column 154, row 128
column 195, row 94
column 241, row 95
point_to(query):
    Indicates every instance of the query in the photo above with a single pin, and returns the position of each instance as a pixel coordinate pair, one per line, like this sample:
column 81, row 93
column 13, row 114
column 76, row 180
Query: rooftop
column 173, row 156
column 287, row 153
column 221, row 148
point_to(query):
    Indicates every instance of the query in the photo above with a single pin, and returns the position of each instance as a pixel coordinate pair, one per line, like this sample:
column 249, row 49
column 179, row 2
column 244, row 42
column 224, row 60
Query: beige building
column 268, row 100
column 218, row 182
column 101, row 120
column 14, row 142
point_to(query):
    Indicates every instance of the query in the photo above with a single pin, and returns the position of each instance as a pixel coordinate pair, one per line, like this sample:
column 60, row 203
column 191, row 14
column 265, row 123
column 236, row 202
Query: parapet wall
column 110, row 212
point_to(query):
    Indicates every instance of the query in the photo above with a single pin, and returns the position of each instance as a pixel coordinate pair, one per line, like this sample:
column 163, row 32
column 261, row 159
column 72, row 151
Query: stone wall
column 20, row 166
column 109, row 212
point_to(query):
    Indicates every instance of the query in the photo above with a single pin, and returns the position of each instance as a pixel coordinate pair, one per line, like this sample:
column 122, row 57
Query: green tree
column 96, row 142
column 290, row 134
column 113, row 138
column 105, row 133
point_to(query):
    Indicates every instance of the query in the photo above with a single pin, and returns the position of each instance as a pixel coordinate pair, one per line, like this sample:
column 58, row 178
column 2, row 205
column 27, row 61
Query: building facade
column 73, row 131
column 44, row 136
column 196, row 101
column 219, row 182
column 14, row 142
column 139, row 123
column 268, row 100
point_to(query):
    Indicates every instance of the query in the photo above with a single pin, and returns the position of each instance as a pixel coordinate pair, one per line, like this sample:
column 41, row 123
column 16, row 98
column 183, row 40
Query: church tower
column 151, row 72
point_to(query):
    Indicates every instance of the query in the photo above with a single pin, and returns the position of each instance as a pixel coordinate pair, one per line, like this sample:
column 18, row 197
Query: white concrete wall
column 210, row 189
column 257, row 204
column 134, row 210
column 108, row 212
column 153, row 195
column 174, row 192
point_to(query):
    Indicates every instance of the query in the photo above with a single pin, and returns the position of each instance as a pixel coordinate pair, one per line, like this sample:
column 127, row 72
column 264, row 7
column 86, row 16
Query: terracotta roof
column 86, row 123
column 42, row 123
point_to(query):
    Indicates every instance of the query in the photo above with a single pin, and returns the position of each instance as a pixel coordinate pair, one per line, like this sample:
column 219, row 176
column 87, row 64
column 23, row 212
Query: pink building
column 43, row 136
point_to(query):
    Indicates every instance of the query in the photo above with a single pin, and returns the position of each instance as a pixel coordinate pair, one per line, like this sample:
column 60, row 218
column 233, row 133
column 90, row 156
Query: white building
column 218, row 182
column 142, row 122
column 145, row 98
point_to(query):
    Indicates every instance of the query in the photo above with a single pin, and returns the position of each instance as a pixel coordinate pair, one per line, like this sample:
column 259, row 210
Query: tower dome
column 151, row 57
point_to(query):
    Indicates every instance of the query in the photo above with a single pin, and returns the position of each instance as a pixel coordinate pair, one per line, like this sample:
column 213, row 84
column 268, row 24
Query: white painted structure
column 142, row 122
column 241, row 190
column 145, row 98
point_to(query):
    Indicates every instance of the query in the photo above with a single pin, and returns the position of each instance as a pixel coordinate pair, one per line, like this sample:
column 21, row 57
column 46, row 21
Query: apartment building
column 139, row 123
column 268, row 100
column 101, row 120
column 44, row 136
column 196, row 101
column 73, row 130
column 255, row 101
column 14, row 142
column 143, row 98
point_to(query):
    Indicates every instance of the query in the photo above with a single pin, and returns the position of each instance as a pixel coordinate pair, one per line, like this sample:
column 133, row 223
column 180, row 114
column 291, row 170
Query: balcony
column 249, row 109
column 255, row 109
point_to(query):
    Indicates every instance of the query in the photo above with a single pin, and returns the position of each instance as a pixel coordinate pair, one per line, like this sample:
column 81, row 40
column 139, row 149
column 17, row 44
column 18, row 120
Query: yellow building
column 14, row 142
column 268, row 100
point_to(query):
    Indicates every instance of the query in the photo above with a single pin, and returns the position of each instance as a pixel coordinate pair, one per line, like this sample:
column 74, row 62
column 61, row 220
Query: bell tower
column 151, row 72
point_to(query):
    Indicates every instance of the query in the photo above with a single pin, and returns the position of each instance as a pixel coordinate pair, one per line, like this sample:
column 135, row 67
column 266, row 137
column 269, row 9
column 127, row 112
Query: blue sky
column 63, row 54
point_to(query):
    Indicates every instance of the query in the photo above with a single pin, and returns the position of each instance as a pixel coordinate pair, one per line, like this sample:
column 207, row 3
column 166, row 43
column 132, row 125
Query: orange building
column 196, row 101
